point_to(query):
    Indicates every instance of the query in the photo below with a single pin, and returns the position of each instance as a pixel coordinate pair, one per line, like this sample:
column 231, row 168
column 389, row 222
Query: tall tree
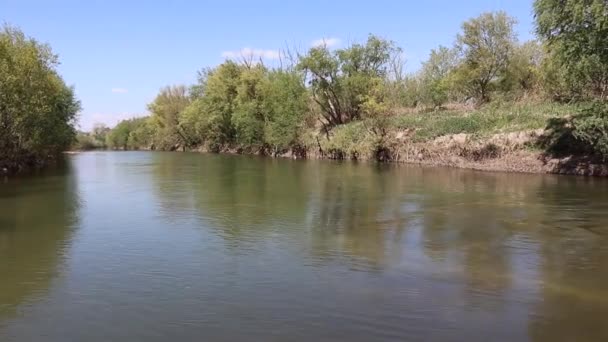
column 434, row 75
column 209, row 118
column 486, row 43
column 576, row 33
column 37, row 109
column 166, row 109
column 340, row 80
column 100, row 131
column 522, row 76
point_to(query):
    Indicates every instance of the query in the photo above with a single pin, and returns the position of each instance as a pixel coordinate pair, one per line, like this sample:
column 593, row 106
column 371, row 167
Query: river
column 153, row 246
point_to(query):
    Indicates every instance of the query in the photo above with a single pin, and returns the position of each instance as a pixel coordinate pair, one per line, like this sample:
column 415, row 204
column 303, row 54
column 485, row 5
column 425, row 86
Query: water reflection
column 37, row 215
column 192, row 246
column 537, row 244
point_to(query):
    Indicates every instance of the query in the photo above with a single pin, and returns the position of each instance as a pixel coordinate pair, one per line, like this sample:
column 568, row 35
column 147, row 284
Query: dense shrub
column 37, row 108
column 583, row 133
column 356, row 102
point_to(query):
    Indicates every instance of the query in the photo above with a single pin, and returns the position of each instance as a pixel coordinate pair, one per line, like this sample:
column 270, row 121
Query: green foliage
column 349, row 141
column 37, row 109
column 523, row 72
column 208, row 120
column 249, row 107
column 86, row 142
column 583, row 133
column 248, row 116
column 559, row 84
column 119, row 135
column 286, row 110
column 576, row 35
column 486, row 44
column 356, row 141
column 132, row 134
column 94, row 140
column 487, row 120
column 99, row 132
column 341, row 79
column 350, row 102
column 434, row 76
column 591, row 128
column 142, row 133
column 166, row 110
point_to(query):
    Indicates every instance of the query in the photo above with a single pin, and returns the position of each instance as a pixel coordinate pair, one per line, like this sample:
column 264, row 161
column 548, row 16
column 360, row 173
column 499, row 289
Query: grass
column 356, row 141
column 490, row 119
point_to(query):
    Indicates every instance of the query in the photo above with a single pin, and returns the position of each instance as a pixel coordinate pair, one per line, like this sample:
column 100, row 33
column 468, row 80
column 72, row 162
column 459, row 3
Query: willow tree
column 434, row 76
column 341, row 80
column 486, row 43
column 576, row 35
column 37, row 109
column 208, row 119
column 166, row 110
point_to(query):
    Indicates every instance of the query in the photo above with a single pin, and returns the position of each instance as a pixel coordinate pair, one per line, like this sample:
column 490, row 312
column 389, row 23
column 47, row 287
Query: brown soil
column 508, row 152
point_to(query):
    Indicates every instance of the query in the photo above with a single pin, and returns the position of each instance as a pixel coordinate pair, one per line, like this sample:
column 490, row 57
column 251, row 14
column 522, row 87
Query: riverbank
column 511, row 137
column 519, row 160
column 505, row 137
column 507, row 156
column 514, row 153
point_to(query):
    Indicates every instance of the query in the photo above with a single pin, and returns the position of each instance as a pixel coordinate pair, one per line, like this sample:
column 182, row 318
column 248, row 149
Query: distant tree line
column 249, row 107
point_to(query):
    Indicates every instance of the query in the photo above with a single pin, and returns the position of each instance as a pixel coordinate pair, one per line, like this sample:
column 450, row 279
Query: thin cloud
column 120, row 90
column 326, row 42
column 252, row 53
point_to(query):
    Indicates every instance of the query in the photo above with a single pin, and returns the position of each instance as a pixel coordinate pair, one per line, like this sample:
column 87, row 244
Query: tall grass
column 490, row 119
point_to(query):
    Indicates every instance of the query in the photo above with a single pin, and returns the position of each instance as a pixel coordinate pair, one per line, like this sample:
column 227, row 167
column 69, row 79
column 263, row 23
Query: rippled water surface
column 143, row 246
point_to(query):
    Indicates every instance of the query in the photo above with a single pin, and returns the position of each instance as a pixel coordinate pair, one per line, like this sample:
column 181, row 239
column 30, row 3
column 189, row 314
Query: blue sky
column 118, row 54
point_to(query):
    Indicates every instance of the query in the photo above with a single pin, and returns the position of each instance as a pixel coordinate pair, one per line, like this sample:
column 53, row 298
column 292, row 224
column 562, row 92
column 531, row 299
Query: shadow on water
column 37, row 215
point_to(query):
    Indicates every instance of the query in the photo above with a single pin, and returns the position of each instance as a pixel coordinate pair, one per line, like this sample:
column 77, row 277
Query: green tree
column 247, row 106
column 132, row 134
column 166, row 110
column 99, row 133
column 341, row 80
column 486, row 44
column 142, row 134
column 118, row 137
column 434, row 80
column 286, row 108
column 85, row 141
column 208, row 120
column 576, row 35
column 249, row 114
column 523, row 71
column 37, row 109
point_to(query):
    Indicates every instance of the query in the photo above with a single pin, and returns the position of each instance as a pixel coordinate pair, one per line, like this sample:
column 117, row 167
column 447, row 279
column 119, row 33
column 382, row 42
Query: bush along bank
column 524, row 137
column 37, row 109
column 488, row 102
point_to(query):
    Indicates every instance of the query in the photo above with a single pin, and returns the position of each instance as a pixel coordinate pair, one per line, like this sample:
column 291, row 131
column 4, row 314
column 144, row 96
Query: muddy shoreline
column 508, row 152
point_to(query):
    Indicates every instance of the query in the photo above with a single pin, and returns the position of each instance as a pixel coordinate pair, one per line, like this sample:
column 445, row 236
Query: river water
column 152, row 246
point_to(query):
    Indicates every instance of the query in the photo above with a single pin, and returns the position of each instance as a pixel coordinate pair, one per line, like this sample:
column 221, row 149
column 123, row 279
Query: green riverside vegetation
column 37, row 109
column 355, row 102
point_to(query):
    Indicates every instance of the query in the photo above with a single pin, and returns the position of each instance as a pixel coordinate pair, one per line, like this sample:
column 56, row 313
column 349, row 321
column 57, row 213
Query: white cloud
column 120, row 90
column 252, row 54
column 327, row 42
